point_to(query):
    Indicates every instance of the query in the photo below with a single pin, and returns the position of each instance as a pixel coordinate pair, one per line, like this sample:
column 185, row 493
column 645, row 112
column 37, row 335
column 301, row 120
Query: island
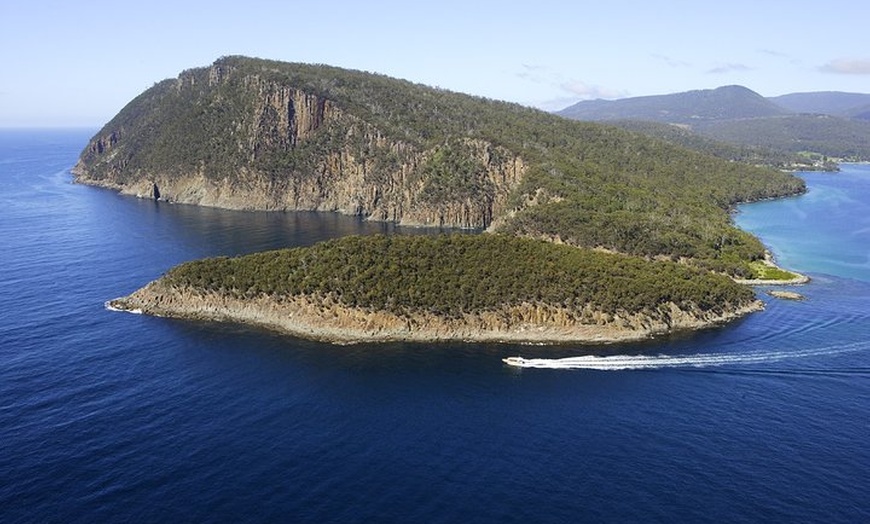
column 589, row 232
column 493, row 288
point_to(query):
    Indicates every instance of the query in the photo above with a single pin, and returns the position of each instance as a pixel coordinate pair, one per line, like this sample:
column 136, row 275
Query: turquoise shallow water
column 111, row 417
column 825, row 231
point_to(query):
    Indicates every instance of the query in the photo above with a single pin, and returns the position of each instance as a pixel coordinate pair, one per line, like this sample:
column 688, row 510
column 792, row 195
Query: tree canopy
column 452, row 275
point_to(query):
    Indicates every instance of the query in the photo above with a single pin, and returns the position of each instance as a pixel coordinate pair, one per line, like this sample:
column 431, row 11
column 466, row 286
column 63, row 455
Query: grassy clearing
column 763, row 271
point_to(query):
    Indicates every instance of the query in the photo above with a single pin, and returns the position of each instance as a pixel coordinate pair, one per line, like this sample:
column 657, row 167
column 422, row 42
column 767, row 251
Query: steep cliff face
column 233, row 138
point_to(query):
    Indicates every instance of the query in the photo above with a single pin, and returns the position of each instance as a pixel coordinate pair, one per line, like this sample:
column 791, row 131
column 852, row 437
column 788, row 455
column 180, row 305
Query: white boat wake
column 624, row 362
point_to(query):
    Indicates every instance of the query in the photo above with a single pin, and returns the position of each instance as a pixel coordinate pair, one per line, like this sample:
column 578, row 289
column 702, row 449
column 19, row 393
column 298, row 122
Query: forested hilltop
column 256, row 134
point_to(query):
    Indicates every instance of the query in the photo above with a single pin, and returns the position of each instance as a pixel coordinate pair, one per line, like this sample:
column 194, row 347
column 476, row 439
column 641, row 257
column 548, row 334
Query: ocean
column 114, row 417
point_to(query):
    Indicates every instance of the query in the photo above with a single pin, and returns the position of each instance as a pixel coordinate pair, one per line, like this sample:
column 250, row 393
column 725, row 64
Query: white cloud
column 534, row 73
column 773, row 52
column 587, row 92
column 671, row 62
column 728, row 68
column 571, row 90
column 577, row 91
column 847, row 67
column 556, row 104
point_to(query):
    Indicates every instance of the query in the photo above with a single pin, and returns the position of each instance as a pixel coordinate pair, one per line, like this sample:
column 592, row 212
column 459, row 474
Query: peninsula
column 247, row 133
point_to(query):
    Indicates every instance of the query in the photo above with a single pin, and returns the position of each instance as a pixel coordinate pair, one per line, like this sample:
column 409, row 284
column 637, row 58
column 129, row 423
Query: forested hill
column 731, row 149
column 723, row 103
column 256, row 134
column 835, row 103
column 812, row 126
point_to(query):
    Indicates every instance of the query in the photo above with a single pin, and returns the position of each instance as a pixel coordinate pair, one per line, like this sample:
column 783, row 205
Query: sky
column 77, row 63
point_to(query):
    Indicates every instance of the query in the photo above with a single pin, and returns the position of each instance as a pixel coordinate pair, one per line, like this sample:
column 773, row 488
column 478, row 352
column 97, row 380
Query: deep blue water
column 112, row 417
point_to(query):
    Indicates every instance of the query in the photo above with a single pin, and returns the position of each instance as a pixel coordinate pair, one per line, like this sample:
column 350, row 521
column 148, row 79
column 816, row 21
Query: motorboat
column 514, row 361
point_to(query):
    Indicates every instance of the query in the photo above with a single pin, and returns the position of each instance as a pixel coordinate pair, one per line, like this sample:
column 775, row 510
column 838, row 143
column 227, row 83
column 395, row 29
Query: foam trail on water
column 623, row 362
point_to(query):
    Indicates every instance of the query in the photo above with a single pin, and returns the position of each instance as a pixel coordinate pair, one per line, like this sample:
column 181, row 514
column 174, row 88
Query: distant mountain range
column 835, row 103
column 815, row 126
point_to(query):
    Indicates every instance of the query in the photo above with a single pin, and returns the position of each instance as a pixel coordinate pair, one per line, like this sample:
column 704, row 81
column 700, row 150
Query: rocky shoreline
column 798, row 280
column 329, row 321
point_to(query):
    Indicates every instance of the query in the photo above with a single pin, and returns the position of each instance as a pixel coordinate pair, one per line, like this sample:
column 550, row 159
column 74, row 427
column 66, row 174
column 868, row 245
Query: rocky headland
column 254, row 134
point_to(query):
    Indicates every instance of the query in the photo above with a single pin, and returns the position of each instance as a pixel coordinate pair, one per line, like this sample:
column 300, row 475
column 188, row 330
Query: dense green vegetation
column 452, row 275
column 587, row 184
column 648, row 202
column 453, row 172
column 747, row 152
column 847, row 139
